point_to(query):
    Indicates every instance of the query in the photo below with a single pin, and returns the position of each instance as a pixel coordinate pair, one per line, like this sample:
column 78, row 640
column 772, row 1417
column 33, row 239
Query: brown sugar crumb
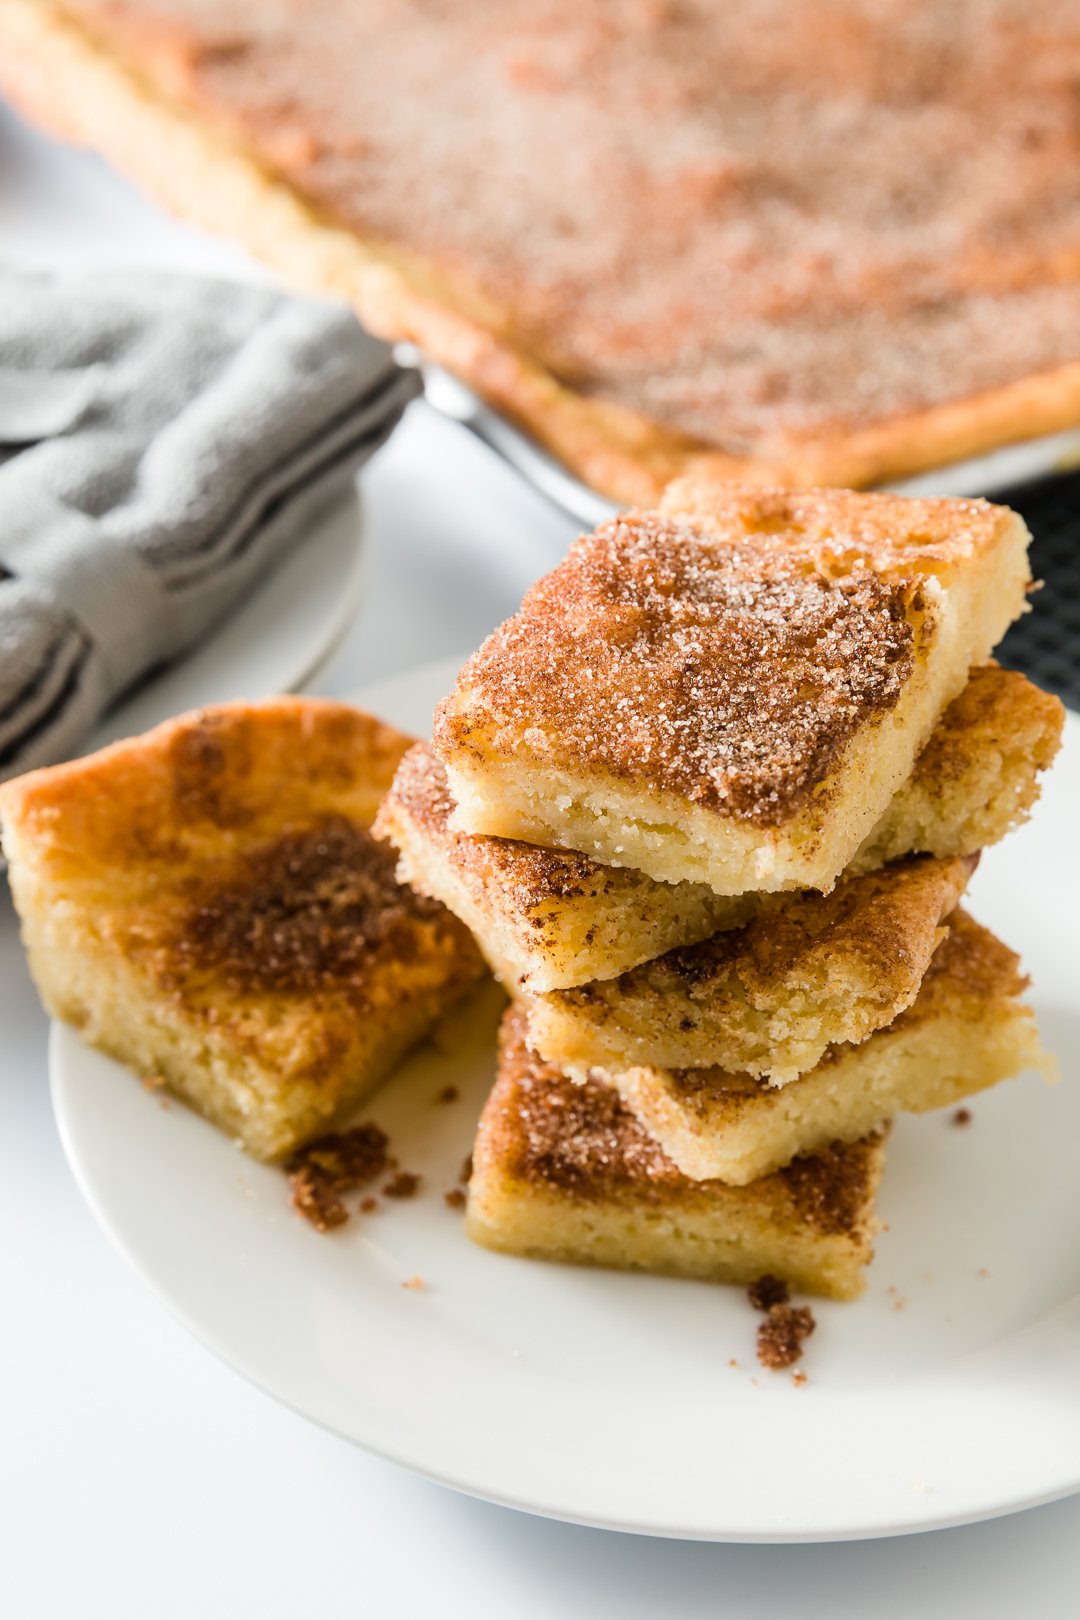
column 324, row 1171
column 961, row 1117
column 402, row 1185
column 798, row 1379
column 454, row 1199
column 368, row 1204
column 782, row 1335
column 767, row 1292
column 448, row 1094
column 314, row 1198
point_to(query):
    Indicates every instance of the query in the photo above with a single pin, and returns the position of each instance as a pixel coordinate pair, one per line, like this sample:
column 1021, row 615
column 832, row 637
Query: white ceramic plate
column 949, row 1393
column 275, row 641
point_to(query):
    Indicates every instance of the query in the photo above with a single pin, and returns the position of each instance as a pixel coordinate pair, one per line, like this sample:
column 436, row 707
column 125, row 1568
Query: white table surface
column 140, row 1479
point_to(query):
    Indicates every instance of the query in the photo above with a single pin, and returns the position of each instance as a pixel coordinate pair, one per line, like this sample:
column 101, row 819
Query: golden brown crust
column 998, row 711
column 200, row 785
column 975, row 779
column 772, row 996
column 877, row 927
column 546, row 1132
column 726, row 650
column 318, row 913
column 188, row 107
column 972, row 975
column 967, row 1030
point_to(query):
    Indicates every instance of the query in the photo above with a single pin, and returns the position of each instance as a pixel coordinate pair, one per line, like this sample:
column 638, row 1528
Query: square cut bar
column 966, row 1030
column 207, row 904
column 565, row 1172
column 547, row 919
column 769, row 998
column 731, row 690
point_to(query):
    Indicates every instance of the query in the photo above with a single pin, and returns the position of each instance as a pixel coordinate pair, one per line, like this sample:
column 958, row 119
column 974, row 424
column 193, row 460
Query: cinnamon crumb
column 368, row 1204
column 962, row 1116
column 733, row 1363
column 782, row 1335
column 454, row 1199
column 402, row 1185
column 324, row 1171
column 767, row 1292
column 448, row 1094
column 314, row 1198
column 798, row 1379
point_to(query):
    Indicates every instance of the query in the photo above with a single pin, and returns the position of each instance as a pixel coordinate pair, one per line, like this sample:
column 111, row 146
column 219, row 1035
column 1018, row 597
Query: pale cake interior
column 967, row 1030
column 208, row 905
column 564, row 1172
column 547, row 919
column 732, row 690
column 771, row 997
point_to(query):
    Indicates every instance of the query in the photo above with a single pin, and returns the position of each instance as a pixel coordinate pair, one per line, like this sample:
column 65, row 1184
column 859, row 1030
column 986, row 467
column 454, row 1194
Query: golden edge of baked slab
column 60, row 76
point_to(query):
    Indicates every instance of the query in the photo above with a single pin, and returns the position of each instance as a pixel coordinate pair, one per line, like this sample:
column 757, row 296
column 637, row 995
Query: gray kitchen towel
column 163, row 439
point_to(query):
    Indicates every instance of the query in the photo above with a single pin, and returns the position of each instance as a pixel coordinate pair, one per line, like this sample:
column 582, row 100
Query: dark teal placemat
column 1046, row 642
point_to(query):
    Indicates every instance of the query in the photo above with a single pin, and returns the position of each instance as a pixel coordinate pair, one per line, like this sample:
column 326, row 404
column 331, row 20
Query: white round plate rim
column 407, row 699
column 272, row 642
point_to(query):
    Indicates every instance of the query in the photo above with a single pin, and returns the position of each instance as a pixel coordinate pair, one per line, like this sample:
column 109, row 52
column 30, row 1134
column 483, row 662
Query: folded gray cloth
column 163, row 440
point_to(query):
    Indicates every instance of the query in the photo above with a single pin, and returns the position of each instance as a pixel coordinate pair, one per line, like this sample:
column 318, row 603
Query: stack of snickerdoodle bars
column 710, row 802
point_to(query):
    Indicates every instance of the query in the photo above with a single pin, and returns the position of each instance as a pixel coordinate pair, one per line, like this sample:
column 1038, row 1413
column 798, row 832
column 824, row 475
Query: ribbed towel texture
column 163, row 440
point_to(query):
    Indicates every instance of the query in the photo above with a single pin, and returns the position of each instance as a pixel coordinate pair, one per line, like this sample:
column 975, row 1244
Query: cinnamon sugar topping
column 732, row 673
column 322, row 1173
column 767, row 1292
column 403, row 1184
column 582, row 1140
column 305, row 912
column 751, row 223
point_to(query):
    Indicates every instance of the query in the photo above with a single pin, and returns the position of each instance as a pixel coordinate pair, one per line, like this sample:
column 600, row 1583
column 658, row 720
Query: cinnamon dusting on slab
column 306, row 913
column 730, row 670
column 750, row 223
